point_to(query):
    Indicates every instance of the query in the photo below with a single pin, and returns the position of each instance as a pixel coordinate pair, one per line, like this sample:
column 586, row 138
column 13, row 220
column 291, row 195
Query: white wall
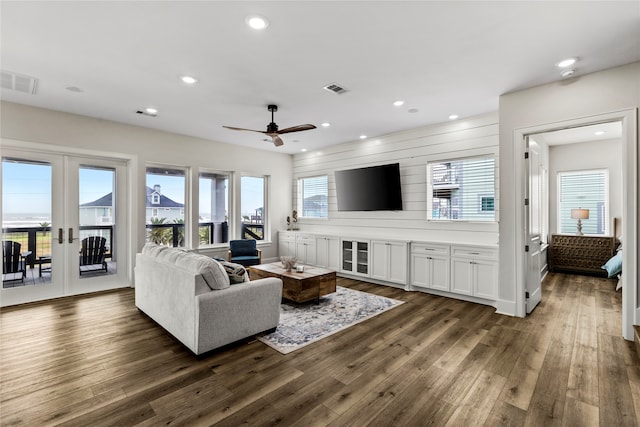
column 37, row 125
column 613, row 92
column 583, row 156
column 412, row 150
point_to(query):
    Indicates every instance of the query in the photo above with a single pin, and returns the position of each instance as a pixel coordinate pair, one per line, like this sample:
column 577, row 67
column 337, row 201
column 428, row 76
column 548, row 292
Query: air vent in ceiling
column 19, row 82
column 335, row 88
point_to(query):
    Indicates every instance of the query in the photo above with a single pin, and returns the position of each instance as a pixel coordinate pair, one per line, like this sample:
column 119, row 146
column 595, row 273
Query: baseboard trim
column 505, row 307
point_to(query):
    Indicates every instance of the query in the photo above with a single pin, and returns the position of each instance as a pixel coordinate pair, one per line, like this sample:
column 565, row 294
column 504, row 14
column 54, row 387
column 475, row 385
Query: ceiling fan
column 272, row 128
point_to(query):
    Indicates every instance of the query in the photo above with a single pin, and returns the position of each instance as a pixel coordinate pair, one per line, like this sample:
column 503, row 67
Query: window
column 313, row 197
column 165, row 193
column 213, row 212
column 587, row 190
column 462, row 189
column 252, row 206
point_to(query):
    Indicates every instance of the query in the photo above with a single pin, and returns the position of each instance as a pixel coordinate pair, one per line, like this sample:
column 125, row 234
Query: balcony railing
column 38, row 240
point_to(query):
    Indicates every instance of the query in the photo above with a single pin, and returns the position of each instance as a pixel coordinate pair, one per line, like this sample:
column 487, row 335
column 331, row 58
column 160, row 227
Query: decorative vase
column 288, row 262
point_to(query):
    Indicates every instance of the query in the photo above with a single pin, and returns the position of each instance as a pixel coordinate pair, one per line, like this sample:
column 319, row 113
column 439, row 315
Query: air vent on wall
column 19, row 82
column 335, row 88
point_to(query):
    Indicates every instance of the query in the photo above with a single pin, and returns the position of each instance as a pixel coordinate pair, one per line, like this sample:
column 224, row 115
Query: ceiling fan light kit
column 272, row 128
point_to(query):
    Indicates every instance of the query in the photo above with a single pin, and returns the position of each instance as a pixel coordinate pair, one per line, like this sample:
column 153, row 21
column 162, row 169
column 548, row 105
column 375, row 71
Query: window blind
column 462, row 189
column 313, row 197
column 586, row 190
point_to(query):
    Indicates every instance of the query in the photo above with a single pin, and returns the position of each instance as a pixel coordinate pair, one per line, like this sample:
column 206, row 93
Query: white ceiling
column 591, row 133
column 439, row 57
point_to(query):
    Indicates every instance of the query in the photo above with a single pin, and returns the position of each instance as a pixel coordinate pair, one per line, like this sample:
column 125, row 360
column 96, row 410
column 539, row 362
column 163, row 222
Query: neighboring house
column 159, row 206
column 98, row 212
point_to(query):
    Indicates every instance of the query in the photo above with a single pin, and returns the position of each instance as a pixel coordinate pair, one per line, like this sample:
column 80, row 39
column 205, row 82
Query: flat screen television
column 375, row 188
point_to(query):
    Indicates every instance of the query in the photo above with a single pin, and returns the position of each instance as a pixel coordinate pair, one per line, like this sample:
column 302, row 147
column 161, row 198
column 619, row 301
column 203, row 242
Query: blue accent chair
column 244, row 252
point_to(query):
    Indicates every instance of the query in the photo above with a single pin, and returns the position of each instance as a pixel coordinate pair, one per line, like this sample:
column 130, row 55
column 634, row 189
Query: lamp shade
column 579, row 213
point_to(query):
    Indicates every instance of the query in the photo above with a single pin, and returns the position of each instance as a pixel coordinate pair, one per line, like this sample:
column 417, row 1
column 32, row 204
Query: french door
column 66, row 218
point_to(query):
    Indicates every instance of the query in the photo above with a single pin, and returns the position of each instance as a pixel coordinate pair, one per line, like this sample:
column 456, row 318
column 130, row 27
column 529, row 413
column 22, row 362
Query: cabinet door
column 461, row 276
column 420, row 270
column 333, row 253
column 306, row 249
column 286, row 247
column 362, row 265
column 322, row 252
column 348, row 257
column 397, row 264
column 440, row 273
column 379, row 260
column 485, row 280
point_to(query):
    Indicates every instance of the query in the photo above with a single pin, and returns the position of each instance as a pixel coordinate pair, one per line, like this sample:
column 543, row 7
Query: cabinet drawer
column 305, row 238
column 429, row 248
column 284, row 236
column 474, row 252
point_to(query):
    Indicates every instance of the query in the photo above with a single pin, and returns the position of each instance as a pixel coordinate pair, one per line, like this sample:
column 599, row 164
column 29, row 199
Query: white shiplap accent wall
column 412, row 150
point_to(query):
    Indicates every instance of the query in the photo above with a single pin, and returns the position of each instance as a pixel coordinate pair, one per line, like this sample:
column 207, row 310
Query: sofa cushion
column 171, row 255
column 236, row 272
column 153, row 249
column 212, row 271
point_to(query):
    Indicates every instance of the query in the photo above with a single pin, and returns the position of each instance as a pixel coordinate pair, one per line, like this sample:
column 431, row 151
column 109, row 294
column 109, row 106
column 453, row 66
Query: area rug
column 303, row 324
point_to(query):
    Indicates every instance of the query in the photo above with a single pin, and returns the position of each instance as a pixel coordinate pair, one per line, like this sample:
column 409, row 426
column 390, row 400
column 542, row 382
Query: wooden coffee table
column 309, row 285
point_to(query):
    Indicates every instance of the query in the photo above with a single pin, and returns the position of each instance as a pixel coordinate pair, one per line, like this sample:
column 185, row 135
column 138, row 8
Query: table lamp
column 579, row 214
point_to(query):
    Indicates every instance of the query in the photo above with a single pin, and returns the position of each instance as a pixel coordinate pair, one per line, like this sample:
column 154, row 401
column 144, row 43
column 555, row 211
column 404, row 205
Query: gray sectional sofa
column 190, row 296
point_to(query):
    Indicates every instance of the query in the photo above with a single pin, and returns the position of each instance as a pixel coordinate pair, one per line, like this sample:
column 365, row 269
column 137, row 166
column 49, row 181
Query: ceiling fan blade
column 250, row 130
column 277, row 141
column 296, row 129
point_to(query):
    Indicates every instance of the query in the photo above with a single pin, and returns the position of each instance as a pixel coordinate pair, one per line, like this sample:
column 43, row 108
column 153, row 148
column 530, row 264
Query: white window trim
column 299, row 200
column 429, row 189
column 266, row 217
column 230, row 208
column 607, row 221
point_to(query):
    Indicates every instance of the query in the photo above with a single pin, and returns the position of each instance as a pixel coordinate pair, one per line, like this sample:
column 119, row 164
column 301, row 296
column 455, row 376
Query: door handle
column 60, row 236
column 70, row 234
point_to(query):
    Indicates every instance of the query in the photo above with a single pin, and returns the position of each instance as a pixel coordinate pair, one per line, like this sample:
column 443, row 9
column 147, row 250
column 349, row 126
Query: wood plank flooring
column 95, row 360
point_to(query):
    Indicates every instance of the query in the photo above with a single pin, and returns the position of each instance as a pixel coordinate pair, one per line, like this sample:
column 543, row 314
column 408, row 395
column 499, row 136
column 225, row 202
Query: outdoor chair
column 244, row 252
column 92, row 255
column 14, row 262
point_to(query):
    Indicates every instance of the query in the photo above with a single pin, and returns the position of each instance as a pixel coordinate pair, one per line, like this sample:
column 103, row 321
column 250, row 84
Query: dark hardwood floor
column 95, row 360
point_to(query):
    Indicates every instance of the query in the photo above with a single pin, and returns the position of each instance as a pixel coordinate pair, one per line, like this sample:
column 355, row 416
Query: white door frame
column 630, row 312
column 131, row 213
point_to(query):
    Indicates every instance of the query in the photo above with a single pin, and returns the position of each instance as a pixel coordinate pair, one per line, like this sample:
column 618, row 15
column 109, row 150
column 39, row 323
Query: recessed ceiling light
column 256, row 22
column 566, row 63
column 398, row 103
column 151, row 111
column 453, row 117
column 188, row 80
column 363, row 136
column 600, row 132
column 325, row 124
column 567, row 73
column 303, row 150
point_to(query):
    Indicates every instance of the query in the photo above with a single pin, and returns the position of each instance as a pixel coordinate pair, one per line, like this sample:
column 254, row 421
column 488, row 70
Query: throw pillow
column 212, row 271
column 236, row 272
column 614, row 265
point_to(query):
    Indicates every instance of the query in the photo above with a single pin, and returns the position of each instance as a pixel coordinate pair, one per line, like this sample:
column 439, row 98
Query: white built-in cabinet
column 328, row 252
column 474, row 271
column 306, row 249
column 389, row 261
column 430, row 266
column 458, row 269
column 455, row 269
column 286, row 243
column 355, row 257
